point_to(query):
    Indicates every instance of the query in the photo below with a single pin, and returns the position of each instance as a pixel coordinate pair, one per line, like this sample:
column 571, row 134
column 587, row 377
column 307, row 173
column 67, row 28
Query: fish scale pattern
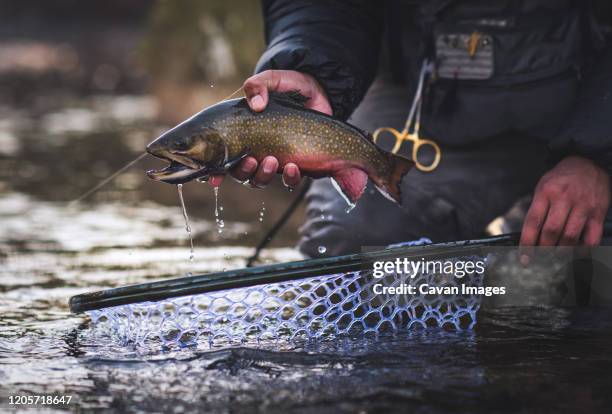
column 316, row 307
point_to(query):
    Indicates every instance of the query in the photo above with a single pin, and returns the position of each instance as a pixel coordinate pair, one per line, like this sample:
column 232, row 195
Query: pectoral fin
column 229, row 164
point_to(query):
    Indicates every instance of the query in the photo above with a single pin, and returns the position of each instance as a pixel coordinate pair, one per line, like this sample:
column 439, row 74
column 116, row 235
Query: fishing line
column 233, row 93
column 106, row 180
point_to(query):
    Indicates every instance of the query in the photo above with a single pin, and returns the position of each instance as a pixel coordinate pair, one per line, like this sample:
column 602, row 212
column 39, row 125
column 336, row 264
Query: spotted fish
column 217, row 138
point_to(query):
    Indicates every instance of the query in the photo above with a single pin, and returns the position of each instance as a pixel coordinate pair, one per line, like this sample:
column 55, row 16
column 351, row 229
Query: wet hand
column 568, row 208
column 256, row 90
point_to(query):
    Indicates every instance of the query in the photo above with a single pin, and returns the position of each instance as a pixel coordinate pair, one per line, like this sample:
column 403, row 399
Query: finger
column 256, row 93
column 531, row 227
column 256, row 88
column 555, row 222
column 291, row 175
column 266, row 171
column 245, row 169
column 593, row 232
column 573, row 228
column 533, row 221
column 215, row 180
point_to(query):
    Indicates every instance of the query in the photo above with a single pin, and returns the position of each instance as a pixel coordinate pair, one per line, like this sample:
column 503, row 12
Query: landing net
column 308, row 308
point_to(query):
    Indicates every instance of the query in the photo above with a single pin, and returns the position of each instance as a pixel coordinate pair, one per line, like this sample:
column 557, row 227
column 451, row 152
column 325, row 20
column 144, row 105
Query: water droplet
column 187, row 226
column 322, row 249
column 218, row 208
column 262, row 212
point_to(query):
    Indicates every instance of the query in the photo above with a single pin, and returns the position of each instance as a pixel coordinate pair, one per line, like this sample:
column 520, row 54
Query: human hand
column 256, row 90
column 569, row 206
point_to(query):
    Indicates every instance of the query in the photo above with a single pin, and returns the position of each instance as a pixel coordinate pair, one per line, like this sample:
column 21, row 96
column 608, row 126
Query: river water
column 536, row 358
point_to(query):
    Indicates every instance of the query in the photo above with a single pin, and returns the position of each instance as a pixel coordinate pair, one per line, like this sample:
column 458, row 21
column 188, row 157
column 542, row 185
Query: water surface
column 517, row 359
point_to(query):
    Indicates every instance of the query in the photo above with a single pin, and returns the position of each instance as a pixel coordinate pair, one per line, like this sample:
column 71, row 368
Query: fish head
column 192, row 152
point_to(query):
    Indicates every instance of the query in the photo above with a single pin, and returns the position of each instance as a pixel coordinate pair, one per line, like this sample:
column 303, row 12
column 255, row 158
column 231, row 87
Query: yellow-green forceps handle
column 417, row 143
column 405, row 135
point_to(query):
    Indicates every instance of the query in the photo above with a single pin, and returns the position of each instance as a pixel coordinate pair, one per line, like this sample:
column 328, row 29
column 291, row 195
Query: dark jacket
column 339, row 43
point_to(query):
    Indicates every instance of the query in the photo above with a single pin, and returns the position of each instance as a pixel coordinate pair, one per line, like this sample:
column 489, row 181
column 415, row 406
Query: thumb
column 256, row 92
column 257, row 102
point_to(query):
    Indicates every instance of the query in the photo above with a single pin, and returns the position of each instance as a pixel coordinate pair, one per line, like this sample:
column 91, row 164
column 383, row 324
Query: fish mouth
column 179, row 170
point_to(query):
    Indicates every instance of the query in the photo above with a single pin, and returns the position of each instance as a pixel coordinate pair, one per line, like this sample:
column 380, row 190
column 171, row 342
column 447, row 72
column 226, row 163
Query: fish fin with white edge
column 389, row 186
column 231, row 163
column 351, row 183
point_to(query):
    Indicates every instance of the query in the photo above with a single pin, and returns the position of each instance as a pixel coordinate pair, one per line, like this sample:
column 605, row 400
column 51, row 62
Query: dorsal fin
column 290, row 97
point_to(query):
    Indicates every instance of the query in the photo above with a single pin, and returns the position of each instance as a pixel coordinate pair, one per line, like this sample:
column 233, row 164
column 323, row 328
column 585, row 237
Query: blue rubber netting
column 316, row 307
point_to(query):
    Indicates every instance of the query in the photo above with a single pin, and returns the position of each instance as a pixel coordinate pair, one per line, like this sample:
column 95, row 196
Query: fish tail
column 389, row 186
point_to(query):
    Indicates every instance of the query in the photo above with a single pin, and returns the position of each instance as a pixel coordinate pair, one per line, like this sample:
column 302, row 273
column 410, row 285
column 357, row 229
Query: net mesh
column 316, row 307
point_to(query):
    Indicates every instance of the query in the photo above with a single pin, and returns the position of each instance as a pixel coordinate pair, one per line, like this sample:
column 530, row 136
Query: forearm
column 336, row 42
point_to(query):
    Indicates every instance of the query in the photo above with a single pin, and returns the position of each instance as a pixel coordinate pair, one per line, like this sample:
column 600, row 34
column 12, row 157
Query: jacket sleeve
column 337, row 42
column 588, row 132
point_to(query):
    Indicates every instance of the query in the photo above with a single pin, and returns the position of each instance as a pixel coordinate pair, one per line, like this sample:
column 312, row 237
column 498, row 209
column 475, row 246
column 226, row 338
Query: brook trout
column 217, row 138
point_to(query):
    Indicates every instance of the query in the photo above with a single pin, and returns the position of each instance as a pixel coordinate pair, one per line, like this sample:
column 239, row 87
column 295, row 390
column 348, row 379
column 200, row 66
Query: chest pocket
column 493, row 75
column 508, row 49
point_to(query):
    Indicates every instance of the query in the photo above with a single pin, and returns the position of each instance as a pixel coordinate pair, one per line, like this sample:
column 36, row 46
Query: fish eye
column 185, row 143
column 182, row 145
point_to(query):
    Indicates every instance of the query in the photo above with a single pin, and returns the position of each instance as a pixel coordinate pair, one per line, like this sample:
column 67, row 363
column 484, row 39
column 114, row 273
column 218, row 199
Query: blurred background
column 84, row 86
